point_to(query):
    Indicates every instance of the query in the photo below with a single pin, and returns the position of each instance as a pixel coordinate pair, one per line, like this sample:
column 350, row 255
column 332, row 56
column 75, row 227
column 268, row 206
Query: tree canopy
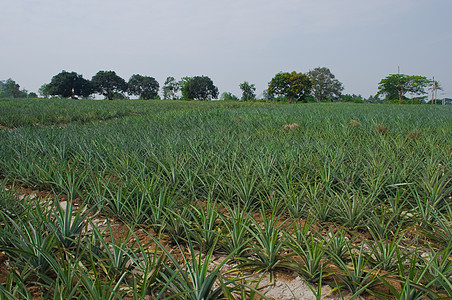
column 199, row 88
column 396, row 86
column 324, row 84
column 44, row 90
column 109, row 84
column 11, row 89
column 143, row 86
column 248, row 91
column 228, row 96
column 69, row 85
column 295, row 86
column 171, row 88
column 352, row 98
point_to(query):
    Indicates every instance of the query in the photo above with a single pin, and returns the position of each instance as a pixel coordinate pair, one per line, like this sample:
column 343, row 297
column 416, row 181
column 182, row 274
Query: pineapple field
column 135, row 199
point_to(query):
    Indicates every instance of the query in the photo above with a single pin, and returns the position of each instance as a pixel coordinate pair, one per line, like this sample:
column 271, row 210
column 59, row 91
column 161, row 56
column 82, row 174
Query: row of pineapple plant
column 65, row 255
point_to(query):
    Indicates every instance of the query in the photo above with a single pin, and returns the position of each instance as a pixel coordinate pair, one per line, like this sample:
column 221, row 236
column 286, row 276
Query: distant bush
column 229, row 96
column 352, row 98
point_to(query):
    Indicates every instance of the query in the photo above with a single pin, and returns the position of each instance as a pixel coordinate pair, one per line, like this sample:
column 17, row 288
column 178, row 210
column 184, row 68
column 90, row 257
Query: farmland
column 356, row 197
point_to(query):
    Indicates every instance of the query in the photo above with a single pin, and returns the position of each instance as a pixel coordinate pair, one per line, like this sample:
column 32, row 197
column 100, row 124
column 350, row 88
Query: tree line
column 317, row 85
column 320, row 83
column 11, row 89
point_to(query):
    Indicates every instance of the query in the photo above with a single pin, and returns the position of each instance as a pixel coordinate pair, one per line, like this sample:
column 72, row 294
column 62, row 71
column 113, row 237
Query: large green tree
column 248, row 91
column 324, row 84
column 295, row 86
column 199, row 88
column 143, row 86
column 69, row 85
column 12, row 88
column 109, row 84
column 396, row 86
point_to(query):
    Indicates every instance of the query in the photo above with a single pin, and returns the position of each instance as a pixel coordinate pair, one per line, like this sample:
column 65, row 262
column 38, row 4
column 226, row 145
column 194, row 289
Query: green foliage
column 183, row 84
column 309, row 98
column 355, row 276
column 199, row 88
column 171, row 88
column 44, row 90
column 143, row 86
column 309, row 255
column 47, row 112
column 68, row 85
column 68, row 223
column 32, row 95
column 373, row 99
column 107, row 83
column 268, row 96
column 384, row 252
column 205, row 225
column 295, row 86
column 235, row 235
column 10, row 89
column 337, row 245
column 27, row 242
column 351, row 208
column 192, row 278
column 267, row 245
column 8, row 201
column 352, row 98
column 228, row 96
column 248, row 91
column 395, row 86
column 324, row 84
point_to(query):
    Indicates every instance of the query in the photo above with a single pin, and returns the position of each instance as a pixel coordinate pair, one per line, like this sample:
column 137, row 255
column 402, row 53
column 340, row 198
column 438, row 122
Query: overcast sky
column 360, row 41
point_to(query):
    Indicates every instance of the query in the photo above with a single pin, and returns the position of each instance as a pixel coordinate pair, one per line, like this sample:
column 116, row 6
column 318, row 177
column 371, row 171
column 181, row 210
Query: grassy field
column 354, row 196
